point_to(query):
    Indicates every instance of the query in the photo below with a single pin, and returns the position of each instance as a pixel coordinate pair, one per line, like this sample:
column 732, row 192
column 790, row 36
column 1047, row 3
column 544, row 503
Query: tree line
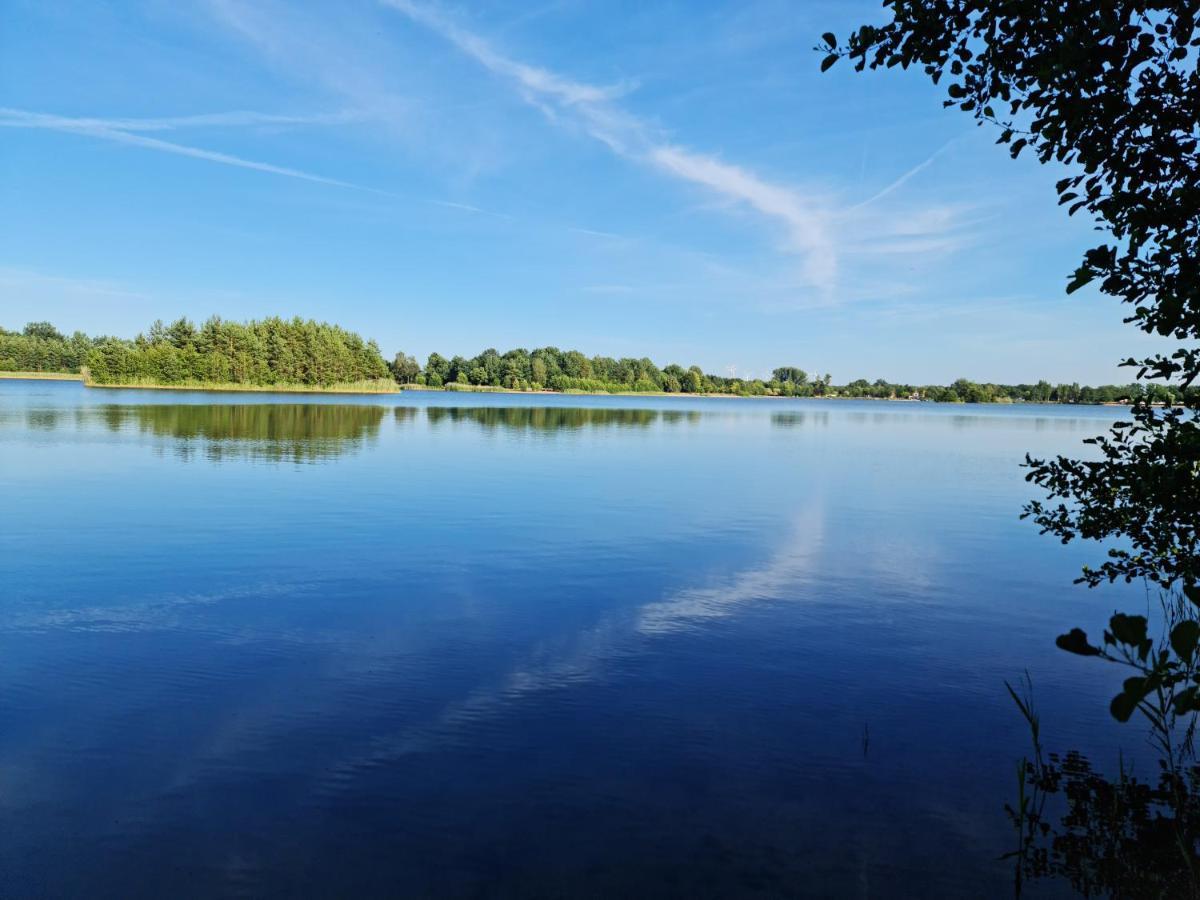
column 40, row 347
column 299, row 352
column 271, row 351
column 548, row 368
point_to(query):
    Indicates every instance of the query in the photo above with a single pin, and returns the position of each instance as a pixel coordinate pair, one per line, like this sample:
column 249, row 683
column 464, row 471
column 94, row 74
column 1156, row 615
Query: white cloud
column 112, row 130
column 233, row 119
column 808, row 228
column 541, row 82
column 903, row 179
column 595, row 111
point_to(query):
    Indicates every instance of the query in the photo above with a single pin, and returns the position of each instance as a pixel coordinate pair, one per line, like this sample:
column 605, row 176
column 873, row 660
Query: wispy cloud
column 112, row 130
column 594, row 109
column 127, row 131
column 903, row 179
column 831, row 250
column 233, row 119
column 608, row 289
column 541, row 82
column 14, row 280
column 342, row 63
column 808, row 228
column 595, row 232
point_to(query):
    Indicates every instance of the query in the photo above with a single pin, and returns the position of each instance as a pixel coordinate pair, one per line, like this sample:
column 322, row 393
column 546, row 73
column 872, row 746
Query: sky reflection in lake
column 436, row 644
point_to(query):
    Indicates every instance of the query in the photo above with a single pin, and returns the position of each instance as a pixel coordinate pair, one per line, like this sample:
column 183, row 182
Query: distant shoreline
column 573, row 392
column 231, row 388
column 42, row 376
column 286, row 356
column 488, row 389
column 352, row 389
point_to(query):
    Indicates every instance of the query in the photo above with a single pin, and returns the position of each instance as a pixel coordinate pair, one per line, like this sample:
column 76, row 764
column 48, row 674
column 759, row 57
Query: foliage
column 1166, row 686
column 42, row 331
column 267, row 352
column 276, row 352
column 1144, row 489
column 405, row 368
column 1108, row 88
column 1119, row 837
column 40, row 347
column 549, row 368
column 1111, row 92
column 1123, row 837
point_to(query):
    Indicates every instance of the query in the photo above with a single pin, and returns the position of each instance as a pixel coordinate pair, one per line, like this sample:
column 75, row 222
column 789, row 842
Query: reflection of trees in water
column 279, row 432
column 1118, row 837
column 42, row 419
column 792, row 419
column 553, row 418
column 1125, row 835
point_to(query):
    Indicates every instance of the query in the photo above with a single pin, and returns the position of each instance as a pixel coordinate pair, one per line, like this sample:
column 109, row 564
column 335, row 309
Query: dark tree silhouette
column 1110, row 91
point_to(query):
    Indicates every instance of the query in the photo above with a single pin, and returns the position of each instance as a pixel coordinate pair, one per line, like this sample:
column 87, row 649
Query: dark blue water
column 496, row 645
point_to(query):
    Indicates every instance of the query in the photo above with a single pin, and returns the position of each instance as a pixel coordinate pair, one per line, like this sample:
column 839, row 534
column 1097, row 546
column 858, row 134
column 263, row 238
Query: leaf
column 1128, row 629
column 1192, row 592
column 1122, row 707
column 1184, row 638
column 1126, row 702
column 828, row 61
column 1075, row 641
column 1082, row 276
column 1186, row 701
column 829, row 39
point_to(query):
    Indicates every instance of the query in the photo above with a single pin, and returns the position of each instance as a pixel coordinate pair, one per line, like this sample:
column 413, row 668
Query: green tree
column 790, row 374
column 405, row 368
column 181, row 332
column 267, row 352
column 43, row 331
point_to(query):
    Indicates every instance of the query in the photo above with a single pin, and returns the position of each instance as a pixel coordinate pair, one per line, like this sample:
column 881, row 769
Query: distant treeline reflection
column 306, row 432
column 551, row 418
column 313, row 431
column 303, row 432
column 798, row 419
column 296, row 432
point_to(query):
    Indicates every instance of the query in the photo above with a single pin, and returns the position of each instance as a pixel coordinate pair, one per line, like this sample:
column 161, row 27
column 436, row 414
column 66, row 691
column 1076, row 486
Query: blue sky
column 672, row 179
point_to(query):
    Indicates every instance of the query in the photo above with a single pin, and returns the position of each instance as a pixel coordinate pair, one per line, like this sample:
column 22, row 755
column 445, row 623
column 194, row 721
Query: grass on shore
column 368, row 386
column 43, row 376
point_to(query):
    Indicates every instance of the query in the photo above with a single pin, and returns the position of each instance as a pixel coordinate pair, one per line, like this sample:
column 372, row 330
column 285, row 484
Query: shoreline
column 42, row 376
column 352, row 389
column 489, row 389
column 221, row 388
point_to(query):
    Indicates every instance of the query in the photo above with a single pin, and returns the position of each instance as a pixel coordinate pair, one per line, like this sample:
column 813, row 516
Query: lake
column 513, row 645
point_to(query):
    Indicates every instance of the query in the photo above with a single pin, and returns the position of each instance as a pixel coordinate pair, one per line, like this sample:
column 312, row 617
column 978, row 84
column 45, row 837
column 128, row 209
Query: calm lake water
column 498, row 645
